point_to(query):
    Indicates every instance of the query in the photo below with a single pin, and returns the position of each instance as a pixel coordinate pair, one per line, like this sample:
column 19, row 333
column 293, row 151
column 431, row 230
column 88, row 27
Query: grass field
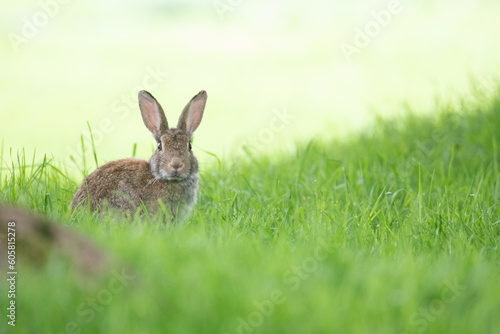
column 317, row 227
column 394, row 230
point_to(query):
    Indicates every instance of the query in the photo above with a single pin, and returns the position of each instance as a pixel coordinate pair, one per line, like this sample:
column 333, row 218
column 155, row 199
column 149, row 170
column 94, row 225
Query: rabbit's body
column 171, row 175
column 135, row 185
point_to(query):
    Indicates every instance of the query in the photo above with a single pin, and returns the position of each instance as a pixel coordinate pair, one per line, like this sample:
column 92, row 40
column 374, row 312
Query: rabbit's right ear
column 192, row 114
column 152, row 114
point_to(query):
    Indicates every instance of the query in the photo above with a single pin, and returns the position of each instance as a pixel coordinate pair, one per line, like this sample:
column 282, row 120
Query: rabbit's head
column 173, row 159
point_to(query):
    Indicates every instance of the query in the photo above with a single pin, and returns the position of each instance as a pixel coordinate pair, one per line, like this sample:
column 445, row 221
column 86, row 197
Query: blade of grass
column 450, row 165
column 134, row 150
column 219, row 163
column 33, row 164
column 93, row 146
column 84, row 159
column 419, row 194
column 1, row 161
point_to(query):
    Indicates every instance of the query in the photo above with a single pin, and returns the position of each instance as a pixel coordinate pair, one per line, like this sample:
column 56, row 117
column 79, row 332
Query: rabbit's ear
column 193, row 112
column 152, row 114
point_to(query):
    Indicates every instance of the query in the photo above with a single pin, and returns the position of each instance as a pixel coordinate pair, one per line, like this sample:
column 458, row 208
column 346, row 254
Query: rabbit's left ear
column 152, row 114
column 192, row 114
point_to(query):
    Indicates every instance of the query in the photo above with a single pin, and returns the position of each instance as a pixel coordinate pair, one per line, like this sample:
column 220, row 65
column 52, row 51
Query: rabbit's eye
column 189, row 145
column 159, row 146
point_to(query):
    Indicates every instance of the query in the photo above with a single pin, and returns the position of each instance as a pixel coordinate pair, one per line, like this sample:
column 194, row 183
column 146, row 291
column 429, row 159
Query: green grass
column 395, row 230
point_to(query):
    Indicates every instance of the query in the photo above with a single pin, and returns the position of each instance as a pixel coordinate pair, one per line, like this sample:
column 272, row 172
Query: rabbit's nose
column 176, row 165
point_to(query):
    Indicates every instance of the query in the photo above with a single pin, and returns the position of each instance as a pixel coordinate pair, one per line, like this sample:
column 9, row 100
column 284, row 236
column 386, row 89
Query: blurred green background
column 406, row 214
column 68, row 62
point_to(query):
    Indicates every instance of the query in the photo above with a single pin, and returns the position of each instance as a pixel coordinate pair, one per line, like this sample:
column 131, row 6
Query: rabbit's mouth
column 173, row 176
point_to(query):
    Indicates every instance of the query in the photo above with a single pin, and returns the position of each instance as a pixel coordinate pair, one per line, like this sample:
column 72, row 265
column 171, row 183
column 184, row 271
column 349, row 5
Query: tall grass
column 395, row 230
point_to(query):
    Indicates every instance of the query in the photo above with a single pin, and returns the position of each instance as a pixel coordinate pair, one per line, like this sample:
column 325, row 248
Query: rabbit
column 171, row 175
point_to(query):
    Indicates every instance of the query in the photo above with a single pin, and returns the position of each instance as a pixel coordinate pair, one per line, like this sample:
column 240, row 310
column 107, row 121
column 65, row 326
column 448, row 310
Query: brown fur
column 171, row 175
column 132, row 184
column 37, row 239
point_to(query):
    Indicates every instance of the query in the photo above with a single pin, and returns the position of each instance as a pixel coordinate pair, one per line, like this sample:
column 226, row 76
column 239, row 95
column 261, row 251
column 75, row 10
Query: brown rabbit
column 171, row 175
